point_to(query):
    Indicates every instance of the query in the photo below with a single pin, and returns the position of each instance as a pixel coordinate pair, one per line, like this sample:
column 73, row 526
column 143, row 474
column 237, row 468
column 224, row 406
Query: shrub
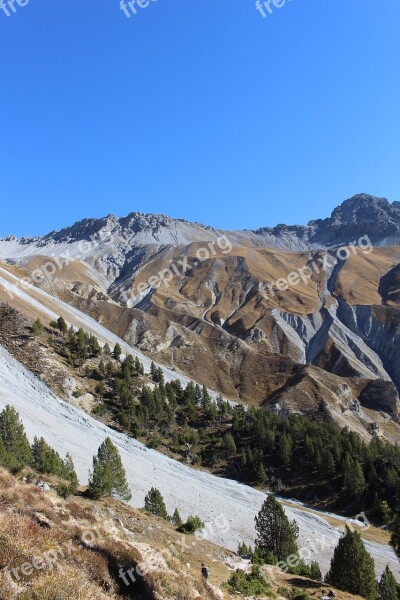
column 248, row 584
column 192, row 525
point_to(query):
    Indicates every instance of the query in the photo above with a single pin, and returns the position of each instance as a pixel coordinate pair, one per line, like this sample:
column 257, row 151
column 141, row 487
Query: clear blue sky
column 200, row 109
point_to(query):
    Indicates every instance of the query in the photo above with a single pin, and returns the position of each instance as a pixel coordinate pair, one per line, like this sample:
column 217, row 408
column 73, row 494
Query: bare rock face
column 382, row 396
column 362, row 215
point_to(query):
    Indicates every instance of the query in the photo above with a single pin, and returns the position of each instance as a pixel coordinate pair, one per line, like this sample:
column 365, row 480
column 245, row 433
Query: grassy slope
column 96, row 539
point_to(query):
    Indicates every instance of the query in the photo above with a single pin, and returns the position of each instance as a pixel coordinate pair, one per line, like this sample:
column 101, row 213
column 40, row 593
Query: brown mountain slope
column 256, row 363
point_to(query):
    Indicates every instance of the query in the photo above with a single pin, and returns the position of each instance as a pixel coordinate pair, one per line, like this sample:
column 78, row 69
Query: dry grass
column 96, row 539
column 52, row 549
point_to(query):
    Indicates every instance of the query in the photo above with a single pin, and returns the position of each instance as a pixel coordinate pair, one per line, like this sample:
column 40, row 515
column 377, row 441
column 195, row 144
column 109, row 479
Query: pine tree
column 359, row 485
column 154, row 504
column 16, row 449
column 352, row 568
column 388, row 586
column 205, row 401
column 276, row 535
column 94, row 345
column 285, row 449
column 229, row 443
column 261, row 473
column 244, row 551
column 108, row 477
column 45, row 459
column 139, row 367
column 81, row 344
column 177, row 519
column 61, row 325
column 70, row 474
column 153, row 370
column 102, row 368
column 117, row 352
column 315, row 571
column 395, row 540
column 354, row 479
column 328, row 467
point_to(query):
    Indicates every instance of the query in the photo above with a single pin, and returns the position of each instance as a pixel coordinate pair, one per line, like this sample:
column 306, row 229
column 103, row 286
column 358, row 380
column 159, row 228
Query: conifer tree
column 205, row 400
column 16, row 449
column 138, row 366
column 102, row 368
column 61, row 325
column 395, row 540
column 153, row 370
column 117, row 352
column 315, row 571
column 154, row 504
column 177, row 519
column 244, row 551
column 45, row 459
column 285, row 449
column 359, row 484
column 108, row 477
column 261, row 473
column 229, row 443
column 352, row 568
column 80, row 344
column 354, row 479
column 388, row 586
column 276, row 535
column 94, row 345
column 327, row 467
column 70, row 474
column 4, row 457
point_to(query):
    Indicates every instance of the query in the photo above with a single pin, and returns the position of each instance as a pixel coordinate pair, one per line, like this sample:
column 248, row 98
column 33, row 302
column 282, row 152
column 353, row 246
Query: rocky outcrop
column 383, row 396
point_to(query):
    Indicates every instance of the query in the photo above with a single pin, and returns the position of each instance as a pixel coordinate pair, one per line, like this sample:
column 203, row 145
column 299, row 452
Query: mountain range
column 213, row 304
column 360, row 215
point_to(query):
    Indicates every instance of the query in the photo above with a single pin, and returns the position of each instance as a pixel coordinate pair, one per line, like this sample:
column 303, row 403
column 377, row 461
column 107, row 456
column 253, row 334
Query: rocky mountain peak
column 361, row 215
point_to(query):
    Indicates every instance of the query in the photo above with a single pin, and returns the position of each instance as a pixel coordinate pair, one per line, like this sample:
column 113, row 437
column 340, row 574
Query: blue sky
column 200, row 109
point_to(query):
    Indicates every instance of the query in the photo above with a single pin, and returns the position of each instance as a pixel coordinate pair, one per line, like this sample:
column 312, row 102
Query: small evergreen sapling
column 108, row 478
column 154, row 504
